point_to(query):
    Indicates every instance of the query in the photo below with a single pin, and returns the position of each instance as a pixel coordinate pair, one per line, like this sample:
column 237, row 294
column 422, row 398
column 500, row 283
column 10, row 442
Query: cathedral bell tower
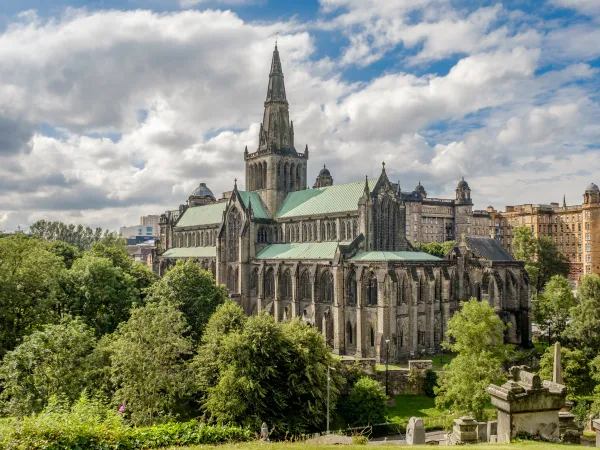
column 275, row 168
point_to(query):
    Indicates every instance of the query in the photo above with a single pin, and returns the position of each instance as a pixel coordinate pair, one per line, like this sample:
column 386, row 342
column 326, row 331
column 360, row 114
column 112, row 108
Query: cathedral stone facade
column 337, row 256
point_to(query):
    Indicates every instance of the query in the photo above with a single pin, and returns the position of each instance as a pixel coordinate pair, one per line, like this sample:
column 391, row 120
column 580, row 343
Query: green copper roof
column 253, row 198
column 325, row 200
column 191, row 252
column 394, row 256
column 305, row 250
column 211, row 214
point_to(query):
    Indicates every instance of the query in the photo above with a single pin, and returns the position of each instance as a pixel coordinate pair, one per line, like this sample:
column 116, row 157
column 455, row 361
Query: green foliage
column 576, row 370
column 228, row 318
column 439, row 249
column 360, row 439
column 365, row 404
column 476, row 334
column 50, row 362
column 88, row 424
column 584, row 327
column 430, row 383
column 30, row 287
column 67, row 252
column 193, row 290
column 148, row 356
column 75, row 235
column 581, row 411
column 117, row 253
column 271, row 372
column 552, row 307
column 101, row 293
column 541, row 256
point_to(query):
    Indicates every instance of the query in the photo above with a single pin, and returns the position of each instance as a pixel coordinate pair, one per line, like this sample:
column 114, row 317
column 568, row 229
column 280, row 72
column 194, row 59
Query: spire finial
column 383, row 166
column 235, row 183
column 323, row 166
column 276, row 37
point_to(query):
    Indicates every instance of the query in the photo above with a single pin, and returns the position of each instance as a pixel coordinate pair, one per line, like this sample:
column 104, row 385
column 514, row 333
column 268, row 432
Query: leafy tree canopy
column 552, row 307
column 76, row 235
column 584, row 327
column 193, row 290
column 541, row 256
column 274, row 373
column 100, row 293
column 50, row 362
column 149, row 368
column 576, row 370
column 476, row 334
column 30, row 287
column 439, row 249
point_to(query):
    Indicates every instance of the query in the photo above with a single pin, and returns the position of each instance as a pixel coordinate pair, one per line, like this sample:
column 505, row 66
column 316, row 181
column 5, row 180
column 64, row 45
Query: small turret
column 324, row 178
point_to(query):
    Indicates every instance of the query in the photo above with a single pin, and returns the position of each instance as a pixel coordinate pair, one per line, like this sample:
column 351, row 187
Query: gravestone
column 525, row 404
column 482, row 432
column 492, row 430
column 596, row 427
column 264, row 432
column 415, row 431
column 464, row 431
column 557, row 368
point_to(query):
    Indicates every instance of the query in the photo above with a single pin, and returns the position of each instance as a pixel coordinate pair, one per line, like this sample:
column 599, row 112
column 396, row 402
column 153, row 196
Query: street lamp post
column 387, row 360
column 329, row 369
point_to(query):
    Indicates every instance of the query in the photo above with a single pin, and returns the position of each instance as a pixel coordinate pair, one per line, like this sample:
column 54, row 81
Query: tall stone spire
column 277, row 133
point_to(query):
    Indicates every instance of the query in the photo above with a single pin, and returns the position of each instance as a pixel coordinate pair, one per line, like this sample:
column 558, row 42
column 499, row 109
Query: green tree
column 29, row 288
column 274, row 373
column 365, row 404
column 67, row 252
column 149, row 367
column 552, row 307
column 228, row 318
column 50, row 362
column 193, row 290
column 584, row 327
column 117, row 253
column 100, row 293
column 576, row 370
column 439, row 249
column 541, row 256
column 476, row 335
column 76, row 235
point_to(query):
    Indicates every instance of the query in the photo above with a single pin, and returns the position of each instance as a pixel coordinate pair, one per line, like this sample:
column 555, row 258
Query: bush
column 430, row 383
column 581, row 411
column 89, row 424
column 365, row 404
column 360, row 440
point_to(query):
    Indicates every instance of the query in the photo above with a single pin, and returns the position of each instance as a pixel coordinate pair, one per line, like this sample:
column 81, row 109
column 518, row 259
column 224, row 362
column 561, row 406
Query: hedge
column 88, row 424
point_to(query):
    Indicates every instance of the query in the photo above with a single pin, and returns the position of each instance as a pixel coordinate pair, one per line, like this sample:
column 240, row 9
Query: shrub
column 360, row 440
column 365, row 404
column 89, row 424
column 430, row 383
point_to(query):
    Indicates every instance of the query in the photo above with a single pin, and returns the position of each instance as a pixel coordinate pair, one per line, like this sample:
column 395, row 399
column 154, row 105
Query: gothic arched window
column 372, row 290
column 372, row 337
column 269, row 284
column 254, row 279
column 351, row 287
column 326, row 288
column 421, row 293
column 234, row 225
column 286, row 285
column 305, row 288
column 349, row 332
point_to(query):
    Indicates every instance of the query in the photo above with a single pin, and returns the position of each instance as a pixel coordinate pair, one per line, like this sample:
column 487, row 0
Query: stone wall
column 400, row 382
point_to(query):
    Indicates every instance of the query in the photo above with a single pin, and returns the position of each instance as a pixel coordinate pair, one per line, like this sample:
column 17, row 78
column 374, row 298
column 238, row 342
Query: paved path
column 399, row 439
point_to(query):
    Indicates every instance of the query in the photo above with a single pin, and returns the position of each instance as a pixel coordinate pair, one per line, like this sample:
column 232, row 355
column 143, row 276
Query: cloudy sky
column 112, row 109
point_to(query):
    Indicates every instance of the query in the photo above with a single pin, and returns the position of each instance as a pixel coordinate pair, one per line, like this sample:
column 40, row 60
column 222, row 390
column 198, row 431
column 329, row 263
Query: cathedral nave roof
column 324, row 200
column 394, row 256
column 210, row 214
column 190, row 252
column 303, row 250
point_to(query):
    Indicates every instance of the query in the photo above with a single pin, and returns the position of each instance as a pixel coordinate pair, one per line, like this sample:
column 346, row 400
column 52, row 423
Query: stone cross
column 415, row 431
column 557, row 376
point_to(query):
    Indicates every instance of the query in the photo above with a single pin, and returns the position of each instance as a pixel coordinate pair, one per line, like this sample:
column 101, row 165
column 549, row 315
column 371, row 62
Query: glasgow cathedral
column 337, row 256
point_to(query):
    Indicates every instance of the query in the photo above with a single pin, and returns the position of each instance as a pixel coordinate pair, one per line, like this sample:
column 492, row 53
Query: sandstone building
column 338, row 256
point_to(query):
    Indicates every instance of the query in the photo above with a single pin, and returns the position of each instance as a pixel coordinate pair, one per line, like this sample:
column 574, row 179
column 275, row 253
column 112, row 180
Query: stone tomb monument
column 464, row 431
column 415, row 431
column 526, row 404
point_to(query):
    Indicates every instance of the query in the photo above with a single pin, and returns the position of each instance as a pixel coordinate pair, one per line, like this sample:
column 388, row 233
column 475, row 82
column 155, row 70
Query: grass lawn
column 408, row 406
column 305, row 446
